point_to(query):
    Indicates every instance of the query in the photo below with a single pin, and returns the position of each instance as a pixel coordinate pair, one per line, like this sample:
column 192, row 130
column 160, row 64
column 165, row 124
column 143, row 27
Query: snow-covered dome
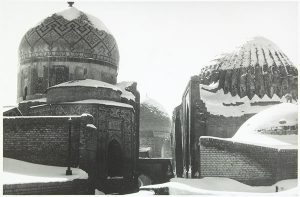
column 258, row 67
column 153, row 116
column 69, row 45
column 73, row 35
column 277, row 125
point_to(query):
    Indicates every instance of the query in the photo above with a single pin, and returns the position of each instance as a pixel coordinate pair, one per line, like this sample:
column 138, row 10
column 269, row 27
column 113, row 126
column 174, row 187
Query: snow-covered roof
column 17, row 172
column 126, row 94
column 73, row 13
column 223, row 187
column 102, row 102
column 87, row 83
column 219, row 103
column 275, row 117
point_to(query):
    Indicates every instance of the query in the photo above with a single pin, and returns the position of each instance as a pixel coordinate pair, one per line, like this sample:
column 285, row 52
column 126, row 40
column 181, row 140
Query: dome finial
column 70, row 3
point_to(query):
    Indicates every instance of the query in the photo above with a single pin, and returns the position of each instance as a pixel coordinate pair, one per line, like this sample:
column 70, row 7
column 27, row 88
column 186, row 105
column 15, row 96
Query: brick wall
column 42, row 140
column 221, row 126
column 250, row 164
column 75, row 187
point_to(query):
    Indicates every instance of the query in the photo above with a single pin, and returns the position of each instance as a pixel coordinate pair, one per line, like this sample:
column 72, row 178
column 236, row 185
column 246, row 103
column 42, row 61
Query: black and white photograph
column 149, row 97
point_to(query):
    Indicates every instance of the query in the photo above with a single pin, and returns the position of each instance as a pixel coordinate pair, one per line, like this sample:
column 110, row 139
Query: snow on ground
column 73, row 13
column 285, row 114
column 16, row 172
column 97, row 192
column 214, row 102
column 87, row 83
column 125, row 94
column 141, row 193
column 102, row 102
column 223, row 186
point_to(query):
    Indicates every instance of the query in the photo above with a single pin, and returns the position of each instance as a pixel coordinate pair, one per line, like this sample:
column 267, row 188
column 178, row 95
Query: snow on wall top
column 270, row 126
column 126, row 94
column 102, row 102
column 73, row 13
column 16, row 172
column 219, row 103
column 87, row 83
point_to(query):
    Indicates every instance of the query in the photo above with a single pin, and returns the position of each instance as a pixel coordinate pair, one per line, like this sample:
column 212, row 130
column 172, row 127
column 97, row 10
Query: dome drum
column 71, row 93
column 34, row 79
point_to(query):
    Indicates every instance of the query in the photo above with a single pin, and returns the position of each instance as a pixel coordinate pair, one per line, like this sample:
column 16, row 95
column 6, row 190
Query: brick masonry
column 249, row 164
column 75, row 187
column 221, row 126
column 42, row 140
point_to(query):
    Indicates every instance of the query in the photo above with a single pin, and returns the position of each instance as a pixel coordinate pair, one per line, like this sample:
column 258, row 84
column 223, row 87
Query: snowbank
column 141, row 193
column 219, row 103
column 222, row 186
column 16, row 172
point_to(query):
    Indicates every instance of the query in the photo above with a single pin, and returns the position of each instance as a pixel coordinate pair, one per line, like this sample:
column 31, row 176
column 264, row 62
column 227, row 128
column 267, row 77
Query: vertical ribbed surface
column 257, row 67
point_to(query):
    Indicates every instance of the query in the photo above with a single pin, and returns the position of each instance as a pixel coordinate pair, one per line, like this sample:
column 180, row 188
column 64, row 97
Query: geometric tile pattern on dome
column 77, row 40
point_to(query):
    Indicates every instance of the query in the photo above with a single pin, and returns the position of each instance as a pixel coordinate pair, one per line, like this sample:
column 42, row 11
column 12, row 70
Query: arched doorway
column 114, row 159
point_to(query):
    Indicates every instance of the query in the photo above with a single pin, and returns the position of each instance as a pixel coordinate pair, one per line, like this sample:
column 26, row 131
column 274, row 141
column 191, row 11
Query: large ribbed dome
column 153, row 117
column 258, row 67
column 69, row 45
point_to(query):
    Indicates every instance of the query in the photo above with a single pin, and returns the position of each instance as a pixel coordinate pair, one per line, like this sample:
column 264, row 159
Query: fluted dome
column 258, row 67
column 153, row 117
column 69, row 45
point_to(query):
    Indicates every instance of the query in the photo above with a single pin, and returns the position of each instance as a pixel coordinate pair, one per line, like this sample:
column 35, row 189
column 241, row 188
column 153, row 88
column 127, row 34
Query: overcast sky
column 161, row 44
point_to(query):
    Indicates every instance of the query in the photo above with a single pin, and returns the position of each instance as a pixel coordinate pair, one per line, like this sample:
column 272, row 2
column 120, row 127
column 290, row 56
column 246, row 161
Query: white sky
column 161, row 44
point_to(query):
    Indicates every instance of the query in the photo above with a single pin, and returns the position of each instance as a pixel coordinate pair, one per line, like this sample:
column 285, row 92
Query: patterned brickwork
column 250, row 164
column 75, row 187
column 113, row 123
column 57, row 39
column 42, row 140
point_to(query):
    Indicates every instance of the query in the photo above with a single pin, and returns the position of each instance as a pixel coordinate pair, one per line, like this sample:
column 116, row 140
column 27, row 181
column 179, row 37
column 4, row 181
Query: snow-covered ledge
column 20, row 172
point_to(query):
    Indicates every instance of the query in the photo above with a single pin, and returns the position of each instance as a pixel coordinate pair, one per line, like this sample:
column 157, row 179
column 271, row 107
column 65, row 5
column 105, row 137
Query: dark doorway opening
column 114, row 159
column 25, row 93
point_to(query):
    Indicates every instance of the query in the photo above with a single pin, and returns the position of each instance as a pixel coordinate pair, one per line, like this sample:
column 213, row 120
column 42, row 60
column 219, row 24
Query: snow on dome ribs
column 258, row 67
